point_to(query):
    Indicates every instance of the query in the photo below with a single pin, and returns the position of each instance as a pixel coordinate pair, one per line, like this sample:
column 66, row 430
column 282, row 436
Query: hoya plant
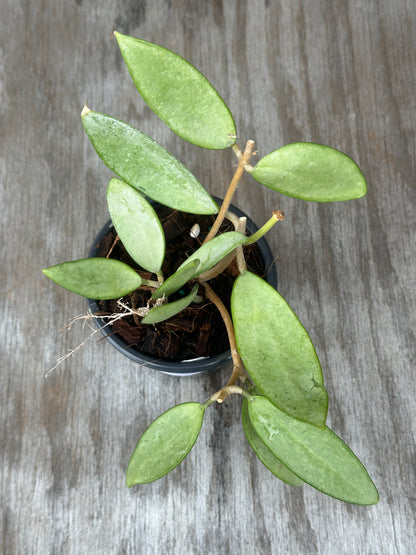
column 275, row 367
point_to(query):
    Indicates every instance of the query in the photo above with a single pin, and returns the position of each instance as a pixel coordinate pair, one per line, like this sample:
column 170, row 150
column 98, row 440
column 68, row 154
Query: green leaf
column 137, row 225
column 176, row 280
column 317, row 456
column 215, row 250
column 95, row 278
column 178, row 93
column 311, row 172
column 145, row 165
column 165, row 311
column 207, row 256
column 264, row 454
column 277, row 351
column 165, row 443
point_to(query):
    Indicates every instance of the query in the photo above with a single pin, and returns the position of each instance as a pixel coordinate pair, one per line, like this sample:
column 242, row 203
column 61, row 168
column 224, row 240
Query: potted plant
column 275, row 367
column 174, row 347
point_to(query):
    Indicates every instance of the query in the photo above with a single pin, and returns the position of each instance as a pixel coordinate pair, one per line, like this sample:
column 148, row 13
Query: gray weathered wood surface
column 341, row 73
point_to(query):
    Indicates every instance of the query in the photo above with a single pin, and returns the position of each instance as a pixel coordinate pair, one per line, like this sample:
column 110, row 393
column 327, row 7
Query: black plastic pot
column 185, row 367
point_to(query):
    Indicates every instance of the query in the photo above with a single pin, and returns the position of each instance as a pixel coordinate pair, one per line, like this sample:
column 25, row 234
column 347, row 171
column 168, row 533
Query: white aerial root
column 111, row 319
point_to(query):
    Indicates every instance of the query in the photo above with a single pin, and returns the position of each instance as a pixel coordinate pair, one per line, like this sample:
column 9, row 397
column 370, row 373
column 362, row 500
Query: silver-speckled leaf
column 165, row 443
column 145, row 165
column 137, row 225
column 95, row 278
column 178, row 93
column 275, row 466
column 310, row 171
column 277, row 351
column 318, row 456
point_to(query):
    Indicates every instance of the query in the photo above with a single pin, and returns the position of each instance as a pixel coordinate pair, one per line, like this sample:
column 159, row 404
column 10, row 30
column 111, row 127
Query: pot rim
column 189, row 367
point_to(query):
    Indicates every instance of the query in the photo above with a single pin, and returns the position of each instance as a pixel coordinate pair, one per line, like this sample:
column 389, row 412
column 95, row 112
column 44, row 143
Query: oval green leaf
column 176, row 280
column 137, row 225
column 215, row 250
column 95, row 278
column 145, row 165
column 264, row 454
column 318, row 456
column 165, row 443
column 178, row 93
column 310, row 171
column 277, row 351
column 165, row 311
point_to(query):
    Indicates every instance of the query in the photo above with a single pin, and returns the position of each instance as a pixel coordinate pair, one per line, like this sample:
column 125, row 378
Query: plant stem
column 239, row 253
column 238, row 368
column 278, row 216
column 237, row 150
column 150, row 283
column 218, row 268
column 242, row 162
column 113, row 245
column 228, row 389
column 240, row 226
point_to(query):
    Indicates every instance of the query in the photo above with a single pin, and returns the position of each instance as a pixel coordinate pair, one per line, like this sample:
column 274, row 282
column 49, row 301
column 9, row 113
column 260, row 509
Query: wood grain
column 341, row 73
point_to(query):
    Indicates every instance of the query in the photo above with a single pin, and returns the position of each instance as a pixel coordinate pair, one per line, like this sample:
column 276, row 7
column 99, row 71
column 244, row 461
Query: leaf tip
column 48, row 272
column 85, row 111
column 130, row 482
column 117, row 36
